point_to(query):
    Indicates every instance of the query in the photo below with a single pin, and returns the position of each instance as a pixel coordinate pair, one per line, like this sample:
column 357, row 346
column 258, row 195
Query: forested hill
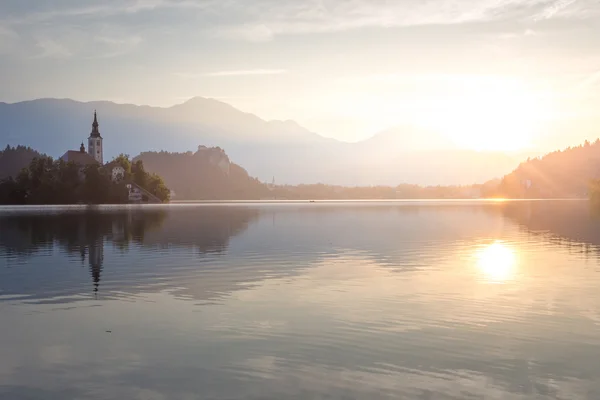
column 14, row 159
column 565, row 173
column 207, row 174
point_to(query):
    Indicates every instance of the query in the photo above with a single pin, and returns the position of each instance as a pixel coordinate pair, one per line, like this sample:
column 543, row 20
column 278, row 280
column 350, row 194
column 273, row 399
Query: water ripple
column 427, row 300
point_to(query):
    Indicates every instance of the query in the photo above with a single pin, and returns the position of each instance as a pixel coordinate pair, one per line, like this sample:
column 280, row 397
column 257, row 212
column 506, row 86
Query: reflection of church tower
column 95, row 147
column 96, row 259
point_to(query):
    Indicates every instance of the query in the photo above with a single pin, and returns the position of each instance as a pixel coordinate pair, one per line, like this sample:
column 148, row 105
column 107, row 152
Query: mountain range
column 281, row 149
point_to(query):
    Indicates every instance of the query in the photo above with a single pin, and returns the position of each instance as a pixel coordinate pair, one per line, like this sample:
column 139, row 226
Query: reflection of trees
column 567, row 223
column 85, row 233
column 75, row 232
column 205, row 228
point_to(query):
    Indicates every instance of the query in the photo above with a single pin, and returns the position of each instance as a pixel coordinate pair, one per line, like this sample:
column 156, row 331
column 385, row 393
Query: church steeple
column 95, row 148
column 95, row 124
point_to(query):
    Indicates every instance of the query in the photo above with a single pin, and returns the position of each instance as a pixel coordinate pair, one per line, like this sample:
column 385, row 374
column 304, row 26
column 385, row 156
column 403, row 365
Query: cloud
column 264, row 20
column 530, row 32
column 250, row 33
column 554, row 9
column 115, row 46
column 267, row 19
column 8, row 39
column 437, row 79
column 517, row 35
column 100, row 9
column 67, row 42
column 52, row 49
column 244, row 72
column 248, row 72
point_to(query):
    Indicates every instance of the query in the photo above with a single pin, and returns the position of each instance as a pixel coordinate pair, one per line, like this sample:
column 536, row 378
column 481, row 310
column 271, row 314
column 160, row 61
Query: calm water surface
column 408, row 300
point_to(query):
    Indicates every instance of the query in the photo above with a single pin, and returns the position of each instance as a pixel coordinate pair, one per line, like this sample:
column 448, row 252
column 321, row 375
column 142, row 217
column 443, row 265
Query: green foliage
column 204, row 175
column 48, row 181
column 560, row 174
column 136, row 173
column 156, row 186
column 14, row 159
column 11, row 192
column 123, row 160
column 96, row 185
column 140, row 177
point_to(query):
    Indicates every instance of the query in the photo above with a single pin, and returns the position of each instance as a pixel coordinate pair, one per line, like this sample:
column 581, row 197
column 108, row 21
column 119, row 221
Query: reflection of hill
column 205, row 228
column 571, row 221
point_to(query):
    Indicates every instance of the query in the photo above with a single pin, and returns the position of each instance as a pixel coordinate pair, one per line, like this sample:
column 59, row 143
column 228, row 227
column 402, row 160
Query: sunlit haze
column 488, row 75
column 497, row 262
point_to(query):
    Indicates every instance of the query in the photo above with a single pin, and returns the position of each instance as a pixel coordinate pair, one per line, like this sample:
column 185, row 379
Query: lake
column 356, row 300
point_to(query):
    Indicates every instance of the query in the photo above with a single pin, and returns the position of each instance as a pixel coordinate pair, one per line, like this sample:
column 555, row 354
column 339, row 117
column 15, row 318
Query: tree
column 48, row 181
column 157, row 187
column 11, row 192
column 140, row 176
column 14, row 159
column 96, row 187
column 123, row 160
column 68, row 183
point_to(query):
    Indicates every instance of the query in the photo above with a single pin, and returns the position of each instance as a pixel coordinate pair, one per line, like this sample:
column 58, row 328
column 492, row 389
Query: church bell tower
column 95, row 147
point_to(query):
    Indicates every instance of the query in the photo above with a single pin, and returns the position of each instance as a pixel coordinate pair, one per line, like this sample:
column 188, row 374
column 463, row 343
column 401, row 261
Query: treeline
column 136, row 172
column 204, row 175
column 209, row 175
column 13, row 159
column 561, row 174
column 48, row 181
column 404, row 191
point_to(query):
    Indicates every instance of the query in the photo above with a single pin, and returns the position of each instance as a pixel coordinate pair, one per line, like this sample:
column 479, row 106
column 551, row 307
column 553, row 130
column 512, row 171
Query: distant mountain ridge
column 266, row 149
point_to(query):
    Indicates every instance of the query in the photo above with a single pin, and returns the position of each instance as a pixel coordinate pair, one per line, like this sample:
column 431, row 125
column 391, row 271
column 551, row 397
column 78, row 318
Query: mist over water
column 355, row 300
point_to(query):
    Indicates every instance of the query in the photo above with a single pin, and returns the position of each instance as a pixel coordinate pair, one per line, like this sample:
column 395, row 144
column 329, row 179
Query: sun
column 489, row 115
column 497, row 262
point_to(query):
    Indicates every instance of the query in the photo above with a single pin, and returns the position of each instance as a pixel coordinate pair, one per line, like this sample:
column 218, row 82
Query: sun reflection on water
column 497, row 262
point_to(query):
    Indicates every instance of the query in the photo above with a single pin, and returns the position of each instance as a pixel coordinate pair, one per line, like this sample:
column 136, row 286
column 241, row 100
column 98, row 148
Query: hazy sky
column 486, row 73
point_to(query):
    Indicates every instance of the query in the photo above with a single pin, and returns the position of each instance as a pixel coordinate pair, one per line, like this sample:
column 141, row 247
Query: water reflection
column 497, row 262
column 300, row 302
column 77, row 231
column 36, row 242
column 565, row 222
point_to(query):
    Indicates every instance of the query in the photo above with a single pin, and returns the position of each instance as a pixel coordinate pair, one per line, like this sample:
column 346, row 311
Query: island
column 78, row 177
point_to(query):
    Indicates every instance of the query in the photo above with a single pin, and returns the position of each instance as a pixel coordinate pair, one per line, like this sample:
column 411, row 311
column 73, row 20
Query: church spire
column 95, row 124
column 95, row 147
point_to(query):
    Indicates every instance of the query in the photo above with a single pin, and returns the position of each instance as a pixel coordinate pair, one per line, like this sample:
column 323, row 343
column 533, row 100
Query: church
column 95, row 156
column 95, row 151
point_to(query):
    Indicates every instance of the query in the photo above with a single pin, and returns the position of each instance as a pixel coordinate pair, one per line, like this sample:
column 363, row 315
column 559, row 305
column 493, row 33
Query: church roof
column 95, row 132
column 78, row 158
